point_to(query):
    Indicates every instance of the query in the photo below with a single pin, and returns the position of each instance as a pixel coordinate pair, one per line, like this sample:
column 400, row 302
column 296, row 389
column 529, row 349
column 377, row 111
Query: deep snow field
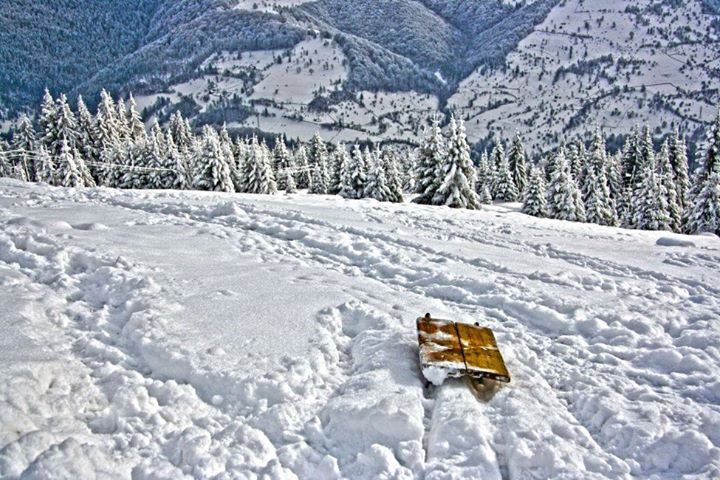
column 167, row 335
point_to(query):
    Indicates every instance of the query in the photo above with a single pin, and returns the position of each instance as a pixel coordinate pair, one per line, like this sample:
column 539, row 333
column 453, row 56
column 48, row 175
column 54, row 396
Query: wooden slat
column 439, row 345
column 461, row 349
column 482, row 356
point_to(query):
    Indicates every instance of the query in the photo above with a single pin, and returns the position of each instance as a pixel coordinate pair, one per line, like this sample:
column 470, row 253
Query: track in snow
column 609, row 344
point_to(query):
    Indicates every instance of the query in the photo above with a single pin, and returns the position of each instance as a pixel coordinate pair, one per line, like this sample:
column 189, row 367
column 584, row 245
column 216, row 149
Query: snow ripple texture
column 158, row 335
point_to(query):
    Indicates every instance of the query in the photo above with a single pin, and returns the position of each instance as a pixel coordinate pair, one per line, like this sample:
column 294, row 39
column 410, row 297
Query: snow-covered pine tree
column 394, row 180
column 85, row 142
column 497, row 156
column 48, row 114
column 339, row 160
column 702, row 208
column 114, row 158
column 649, row 206
column 241, row 152
column 67, row 172
column 106, row 132
column 376, row 186
column 679, row 162
column 212, row 167
column 666, row 177
column 632, row 160
column 704, row 215
column 304, row 175
column 5, row 166
column 123, row 124
column 317, row 158
column 456, row 173
column 63, row 128
column 283, row 163
column 599, row 207
column 576, row 159
column 136, row 127
column 484, row 179
column 429, row 161
column 504, row 188
column 155, row 176
column 45, row 168
column 175, row 175
column 289, row 181
column 25, row 145
column 355, row 176
column 258, row 174
column 564, row 200
column 534, row 202
column 132, row 167
column 517, row 160
column 613, row 172
column 182, row 133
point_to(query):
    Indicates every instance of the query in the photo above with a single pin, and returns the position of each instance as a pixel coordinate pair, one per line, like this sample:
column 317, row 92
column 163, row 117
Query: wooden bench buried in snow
column 451, row 349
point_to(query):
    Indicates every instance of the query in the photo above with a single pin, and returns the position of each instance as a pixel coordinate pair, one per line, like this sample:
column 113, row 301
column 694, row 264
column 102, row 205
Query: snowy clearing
column 188, row 334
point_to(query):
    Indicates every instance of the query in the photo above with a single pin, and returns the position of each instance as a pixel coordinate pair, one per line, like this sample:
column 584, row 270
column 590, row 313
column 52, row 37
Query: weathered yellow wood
column 460, row 349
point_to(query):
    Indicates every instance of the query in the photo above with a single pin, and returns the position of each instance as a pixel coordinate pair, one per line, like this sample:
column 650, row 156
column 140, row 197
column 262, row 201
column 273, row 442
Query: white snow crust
column 157, row 335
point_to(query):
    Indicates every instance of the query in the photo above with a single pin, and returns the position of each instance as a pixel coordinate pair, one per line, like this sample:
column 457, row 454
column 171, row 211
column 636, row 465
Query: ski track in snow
column 615, row 363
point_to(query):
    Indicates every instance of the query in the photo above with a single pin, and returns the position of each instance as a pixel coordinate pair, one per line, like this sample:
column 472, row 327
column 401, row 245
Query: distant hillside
column 61, row 43
column 376, row 69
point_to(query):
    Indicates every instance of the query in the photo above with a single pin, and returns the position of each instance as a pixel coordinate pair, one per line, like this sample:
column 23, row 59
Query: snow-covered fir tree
column 339, row 161
column 212, row 169
column 283, row 162
column 85, row 142
column 289, row 181
column 67, row 173
column 317, row 158
column 457, row 174
column 121, row 120
column 599, row 206
column 392, row 173
column 484, row 179
column 132, row 168
column 105, row 135
column 304, row 175
column 703, row 205
column 564, row 200
column 666, row 177
column 154, row 176
column 376, row 186
column 497, row 158
column 45, row 167
column 534, row 201
column 576, row 159
column 5, row 166
column 679, row 162
column 258, row 176
column 135, row 125
column 355, row 178
column 175, row 166
column 181, row 133
column 25, row 144
column 650, row 208
column 504, row 188
column 61, row 127
column 429, row 162
column 517, row 160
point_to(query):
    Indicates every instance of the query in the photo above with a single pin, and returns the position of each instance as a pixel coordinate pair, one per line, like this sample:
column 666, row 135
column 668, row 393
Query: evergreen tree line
column 112, row 148
column 638, row 188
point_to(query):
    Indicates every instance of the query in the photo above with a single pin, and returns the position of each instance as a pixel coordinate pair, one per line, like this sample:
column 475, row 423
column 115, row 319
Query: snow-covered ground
column 171, row 334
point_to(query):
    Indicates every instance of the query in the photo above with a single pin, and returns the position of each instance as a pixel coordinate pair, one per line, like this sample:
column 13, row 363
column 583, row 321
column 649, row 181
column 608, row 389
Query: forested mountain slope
column 375, row 69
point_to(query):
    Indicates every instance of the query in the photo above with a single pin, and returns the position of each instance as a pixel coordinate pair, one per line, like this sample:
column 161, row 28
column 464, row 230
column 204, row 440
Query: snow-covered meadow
column 169, row 334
